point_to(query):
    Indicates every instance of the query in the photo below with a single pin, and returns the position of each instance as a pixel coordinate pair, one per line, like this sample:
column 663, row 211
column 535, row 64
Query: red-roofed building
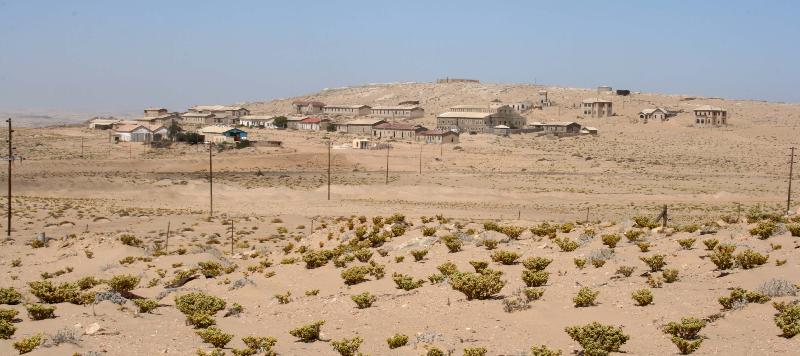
column 313, row 124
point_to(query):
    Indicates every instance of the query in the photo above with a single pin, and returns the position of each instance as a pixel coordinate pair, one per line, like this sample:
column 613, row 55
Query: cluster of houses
column 704, row 116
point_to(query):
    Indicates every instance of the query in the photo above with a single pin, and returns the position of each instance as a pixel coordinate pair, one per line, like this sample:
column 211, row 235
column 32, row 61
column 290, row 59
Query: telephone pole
column 387, row 163
column 329, row 169
column 791, row 172
column 420, row 159
column 210, row 183
column 81, row 146
column 10, row 158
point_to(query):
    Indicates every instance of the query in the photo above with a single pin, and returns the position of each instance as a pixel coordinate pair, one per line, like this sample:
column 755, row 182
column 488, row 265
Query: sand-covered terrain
column 107, row 210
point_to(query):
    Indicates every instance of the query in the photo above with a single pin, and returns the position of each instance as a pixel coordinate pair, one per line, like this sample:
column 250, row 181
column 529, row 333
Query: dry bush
column 483, row 285
column 748, row 259
column 597, row 339
column 642, row 297
column 655, row 262
column 585, row 297
column 505, row 257
column 397, row 340
column 308, row 333
column 364, row 300
column 347, row 347
column 685, row 334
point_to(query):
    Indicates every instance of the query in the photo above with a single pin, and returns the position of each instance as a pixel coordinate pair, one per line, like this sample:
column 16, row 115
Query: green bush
column 355, row 275
column 481, row 285
column 598, row 339
column 542, row 350
column 740, row 297
column 397, row 340
column 7, row 329
column 418, row 254
column 626, row 271
column 40, row 311
column 512, row 232
column 447, row 268
column 434, row 352
column 643, row 246
column 610, row 240
column 598, row 262
column 537, row 263
column 364, row 300
column 533, row 293
column 284, row 298
column 479, row 265
column 316, row 258
column 685, row 334
column 347, row 347
column 10, row 296
column 645, row 222
column 210, row 269
column 8, row 314
column 687, row 243
column 788, row 320
column 722, row 257
column 505, row 257
column 200, row 320
column 308, row 333
column 565, row 244
column 146, row 305
column 214, row 336
column 642, row 297
column 260, row 344
column 585, row 297
column 764, row 229
column 634, row 235
column 710, row 244
column 670, row 275
column 406, row 283
column 452, row 242
column 535, row 278
column 655, row 262
column 123, row 283
column 545, row 229
column 199, row 302
column 475, row 351
column 490, row 244
column 580, row 262
column 88, row 282
column 28, row 344
column 48, row 293
column 748, row 259
column 794, row 229
column 428, row 231
column 130, row 240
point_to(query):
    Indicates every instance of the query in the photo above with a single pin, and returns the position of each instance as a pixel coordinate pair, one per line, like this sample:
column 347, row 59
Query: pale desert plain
column 129, row 233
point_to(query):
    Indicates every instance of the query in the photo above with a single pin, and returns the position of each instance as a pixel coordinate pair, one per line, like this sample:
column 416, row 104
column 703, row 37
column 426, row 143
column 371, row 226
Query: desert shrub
column 691, row 228
column 317, row 258
column 10, row 296
column 308, row 333
column 645, row 222
column 399, row 259
column 585, row 297
column 146, row 305
column 364, row 300
column 48, row 293
column 214, row 336
column 535, row 278
column 284, row 298
column 405, row 282
column 643, row 246
column 543, row 350
column 580, row 262
column 670, row 275
column 311, row 292
column 355, row 275
column 28, row 344
column 567, row 227
column 200, row 320
column 566, row 244
column 8, row 314
column 87, row 282
column 626, row 271
column 722, row 256
column 130, row 240
column 7, row 329
column 610, row 240
column 428, row 231
column 512, row 232
column 489, row 244
column 597, row 263
column 376, row 270
column 777, row 288
column 537, row 263
column 199, row 302
column 434, row 352
column 788, row 320
column 447, row 268
column 740, row 297
column 40, row 311
column 654, row 282
column 642, row 297
column 418, row 254
column 475, row 351
column 398, row 230
column 533, row 293
column 685, row 334
column 210, row 269
column 710, row 244
column 748, row 259
column 363, row 255
column 598, row 339
column 123, row 283
column 347, row 347
column 505, row 257
column 260, row 344
column 479, row 265
column 545, row 229
column 633, row 235
column 764, row 229
column 655, row 262
column 794, row 229
column 687, row 243
column 491, row 226
column 397, row 340
column 452, row 242
column 481, row 285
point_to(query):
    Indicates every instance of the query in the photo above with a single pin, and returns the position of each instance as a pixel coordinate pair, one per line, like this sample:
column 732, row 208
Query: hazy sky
column 125, row 55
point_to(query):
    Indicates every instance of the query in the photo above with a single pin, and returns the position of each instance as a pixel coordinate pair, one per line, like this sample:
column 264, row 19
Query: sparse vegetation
column 214, row 336
column 585, row 297
column 347, row 347
column 505, row 257
column 655, row 262
column 685, row 334
column 364, row 300
column 308, row 333
column 642, row 297
column 481, row 285
column 397, row 340
column 597, row 339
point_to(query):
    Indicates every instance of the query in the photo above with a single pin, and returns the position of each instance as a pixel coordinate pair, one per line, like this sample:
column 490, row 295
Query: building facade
column 347, row 110
column 398, row 112
column 568, row 127
column 397, row 131
column 654, row 114
column 480, row 122
column 360, row 126
column 304, row 107
column 439, row 136
column 266, row 122
column 708, row 115
column 595, row 107
column 313, row 124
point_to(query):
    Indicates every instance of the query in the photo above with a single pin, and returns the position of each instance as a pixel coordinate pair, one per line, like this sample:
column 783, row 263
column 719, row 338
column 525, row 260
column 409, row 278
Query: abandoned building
column 480, row 122
column 158, row 116
column 439, row 136
column 347, row 110
column 313, row 124
column 302, row 107
column 197, row 119
column 398, row 112
column 223, row 115
column 398, row 131
column 596, row 107
column 708, row 115
column 265, row 122
column 655, row 114
column 221, row 134
column 359, row 127
column 559, row 128
column 604, row 89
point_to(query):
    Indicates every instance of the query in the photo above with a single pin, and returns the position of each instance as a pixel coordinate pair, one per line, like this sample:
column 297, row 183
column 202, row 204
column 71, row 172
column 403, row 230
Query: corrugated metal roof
column 465, row 115
column 709, row 108
column 365, row 121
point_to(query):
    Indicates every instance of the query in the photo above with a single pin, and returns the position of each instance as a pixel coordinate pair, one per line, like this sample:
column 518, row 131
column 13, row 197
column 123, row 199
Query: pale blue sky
column 125, row 55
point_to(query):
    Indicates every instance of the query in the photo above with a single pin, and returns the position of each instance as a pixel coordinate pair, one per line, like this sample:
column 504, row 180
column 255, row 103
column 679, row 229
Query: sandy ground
column 85, row 193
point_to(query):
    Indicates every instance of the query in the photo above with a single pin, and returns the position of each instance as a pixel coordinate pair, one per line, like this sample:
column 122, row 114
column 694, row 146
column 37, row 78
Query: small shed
column 502, row 130
column 588, row 130
column 361, row 143
column 220, row 134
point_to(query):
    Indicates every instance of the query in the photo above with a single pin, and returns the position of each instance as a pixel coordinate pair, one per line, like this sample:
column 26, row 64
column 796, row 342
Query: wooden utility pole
column 81, row 146
column 587, row 214
column 387, row 163
column 232, row 230
column 166, row 244
column 420, row 159
column 329, row 169
column 791, row 172
column 210, row 183
column 10, row 159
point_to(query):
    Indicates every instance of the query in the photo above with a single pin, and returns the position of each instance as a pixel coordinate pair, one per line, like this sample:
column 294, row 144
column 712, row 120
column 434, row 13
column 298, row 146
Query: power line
column 10, row 158
column 791, row 171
